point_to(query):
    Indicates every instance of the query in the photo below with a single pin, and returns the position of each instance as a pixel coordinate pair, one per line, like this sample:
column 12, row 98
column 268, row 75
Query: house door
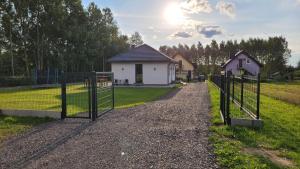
column 240, row 63
column 138, row 73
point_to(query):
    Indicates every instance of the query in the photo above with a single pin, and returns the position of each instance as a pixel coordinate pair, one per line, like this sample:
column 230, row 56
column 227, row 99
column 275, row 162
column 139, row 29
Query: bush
column 15, row 81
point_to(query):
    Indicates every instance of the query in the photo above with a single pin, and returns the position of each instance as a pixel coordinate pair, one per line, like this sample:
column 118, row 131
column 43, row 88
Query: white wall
column 128, row 71
column 172, row 72
column 155, row 73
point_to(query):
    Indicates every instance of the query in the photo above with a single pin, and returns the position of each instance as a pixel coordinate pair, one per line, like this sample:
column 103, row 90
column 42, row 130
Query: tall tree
column 136, row 39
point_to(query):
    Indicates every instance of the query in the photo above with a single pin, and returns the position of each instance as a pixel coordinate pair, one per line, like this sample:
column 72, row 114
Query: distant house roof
column 239, row 53
column 142, row 53
column 185, row 58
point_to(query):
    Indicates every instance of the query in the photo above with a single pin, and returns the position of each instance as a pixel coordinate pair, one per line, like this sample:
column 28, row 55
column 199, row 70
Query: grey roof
column 239, row 53
column 142, row 53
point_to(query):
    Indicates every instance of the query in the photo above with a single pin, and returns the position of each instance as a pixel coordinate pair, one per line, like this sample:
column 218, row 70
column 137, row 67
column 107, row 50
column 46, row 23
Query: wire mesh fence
column 216, row 79
column 36, row 97
column 74, row 95
column 105, row 92
column 87, row 95
column 77, row 94
column 243, row 90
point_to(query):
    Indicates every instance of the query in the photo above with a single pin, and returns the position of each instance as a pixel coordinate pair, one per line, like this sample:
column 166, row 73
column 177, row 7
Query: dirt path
column 169, row 133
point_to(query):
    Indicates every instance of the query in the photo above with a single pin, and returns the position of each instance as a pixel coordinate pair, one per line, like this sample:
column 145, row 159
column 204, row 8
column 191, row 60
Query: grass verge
column 128, row 97
column 280, row 134
column 11, row 125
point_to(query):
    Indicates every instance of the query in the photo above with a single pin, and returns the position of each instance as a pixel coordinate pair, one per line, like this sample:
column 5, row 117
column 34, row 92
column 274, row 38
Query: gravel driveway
column 169, row 133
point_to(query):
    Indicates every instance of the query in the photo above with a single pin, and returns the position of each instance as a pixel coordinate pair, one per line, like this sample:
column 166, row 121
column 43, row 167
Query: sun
column 173, row 14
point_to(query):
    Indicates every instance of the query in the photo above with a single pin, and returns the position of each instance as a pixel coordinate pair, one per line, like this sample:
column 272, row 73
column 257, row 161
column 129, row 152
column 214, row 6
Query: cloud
column 209, row 31
column 154, row 37
column 226, row 8
column 196, row 6
column 182, row 35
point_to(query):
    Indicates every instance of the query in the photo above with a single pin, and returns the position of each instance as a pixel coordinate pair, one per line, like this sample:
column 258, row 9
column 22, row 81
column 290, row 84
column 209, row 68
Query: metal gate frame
column 92, row 96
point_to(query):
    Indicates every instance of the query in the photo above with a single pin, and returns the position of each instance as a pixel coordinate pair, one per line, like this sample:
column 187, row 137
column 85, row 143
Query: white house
column 184, row 67
column 242, row 62
column 143, row 65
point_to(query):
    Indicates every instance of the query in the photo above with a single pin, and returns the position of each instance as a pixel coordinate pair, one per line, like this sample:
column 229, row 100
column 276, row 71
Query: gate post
column 242, row 91
column 63, row 97
column 89, row 77
column 257, row 96
column 113, row 90
column 94, row 96
column 228, row 120
column 232, row 89
column 222, row 100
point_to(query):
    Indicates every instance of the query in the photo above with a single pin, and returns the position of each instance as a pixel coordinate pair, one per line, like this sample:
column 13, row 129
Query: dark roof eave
column 150, row 61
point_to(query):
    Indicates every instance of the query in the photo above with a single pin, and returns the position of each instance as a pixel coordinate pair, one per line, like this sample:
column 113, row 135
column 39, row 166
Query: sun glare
column 173, row 14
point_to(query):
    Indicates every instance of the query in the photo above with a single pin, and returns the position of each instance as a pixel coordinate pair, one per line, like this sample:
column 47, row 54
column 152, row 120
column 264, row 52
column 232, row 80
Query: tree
column 44, row 35
column 273, row 53
column 135, row 39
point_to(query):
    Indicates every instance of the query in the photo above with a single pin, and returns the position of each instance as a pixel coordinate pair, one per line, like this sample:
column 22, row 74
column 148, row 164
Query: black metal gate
column 86, row 95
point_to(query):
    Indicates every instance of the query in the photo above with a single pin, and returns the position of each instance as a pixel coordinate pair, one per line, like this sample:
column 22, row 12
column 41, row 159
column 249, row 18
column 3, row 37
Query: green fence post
column 258, row 96
column 113, row 90
column 94, row 96
column 228, row 120
column 63, row 97
column 222, row 97
column 232, row 88
column 89, row 94
column 242, row 92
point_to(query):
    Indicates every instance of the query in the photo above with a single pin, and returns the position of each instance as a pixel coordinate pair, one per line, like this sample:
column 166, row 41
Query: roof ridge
column 147, row 52
column 159, row 52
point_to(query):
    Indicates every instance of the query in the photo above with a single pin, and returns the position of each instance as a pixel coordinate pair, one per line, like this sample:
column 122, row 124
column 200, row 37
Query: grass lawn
column 128, row 97
column 286, row 91
column 279, row 135
column 13, row 125
column 77, row 98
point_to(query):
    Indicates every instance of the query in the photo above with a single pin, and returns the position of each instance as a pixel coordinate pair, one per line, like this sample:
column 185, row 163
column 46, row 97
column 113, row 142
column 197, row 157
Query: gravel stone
column 169, row 133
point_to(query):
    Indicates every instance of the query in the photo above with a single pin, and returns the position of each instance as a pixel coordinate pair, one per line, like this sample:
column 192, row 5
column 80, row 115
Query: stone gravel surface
column 169, row 133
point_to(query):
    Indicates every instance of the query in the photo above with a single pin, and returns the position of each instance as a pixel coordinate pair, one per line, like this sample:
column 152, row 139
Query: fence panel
column 216, row 79
column 31, row 97
column 87, row 95
column 77, row 95
column 105, row 92
column 242, row 90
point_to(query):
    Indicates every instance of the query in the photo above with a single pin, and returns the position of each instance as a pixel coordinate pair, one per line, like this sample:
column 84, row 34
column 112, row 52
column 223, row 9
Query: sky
column 170, row 22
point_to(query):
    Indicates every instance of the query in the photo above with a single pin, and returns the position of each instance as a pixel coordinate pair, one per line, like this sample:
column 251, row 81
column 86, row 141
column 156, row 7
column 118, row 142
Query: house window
column 154, row 68
column 248, row 61
column 122, row 69
column 180, row 64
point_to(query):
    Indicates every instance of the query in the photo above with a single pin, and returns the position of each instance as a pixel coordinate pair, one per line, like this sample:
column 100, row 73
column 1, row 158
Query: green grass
column 12, row 125
column 286, row 91
column 281, row 132
column 128, row 97
column 77, row 98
